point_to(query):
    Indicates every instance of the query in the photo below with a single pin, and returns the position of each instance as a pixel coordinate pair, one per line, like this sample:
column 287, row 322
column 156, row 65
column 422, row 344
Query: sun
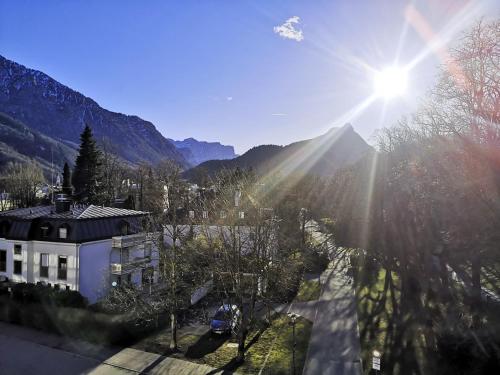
column 390, row 82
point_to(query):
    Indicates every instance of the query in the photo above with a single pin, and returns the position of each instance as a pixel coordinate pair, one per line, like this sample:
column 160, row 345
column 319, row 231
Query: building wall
column 94, row 275
column 55, row 249
column 88, row 265
column 8, row 246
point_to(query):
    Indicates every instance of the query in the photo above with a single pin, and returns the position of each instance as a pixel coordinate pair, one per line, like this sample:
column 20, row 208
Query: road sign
column 376, row 363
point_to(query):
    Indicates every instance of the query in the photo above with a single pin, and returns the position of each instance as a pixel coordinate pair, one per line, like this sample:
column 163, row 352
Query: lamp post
column 293, row 319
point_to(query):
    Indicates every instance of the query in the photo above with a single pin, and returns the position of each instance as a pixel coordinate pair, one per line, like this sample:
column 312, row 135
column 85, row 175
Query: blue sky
column 217, row 70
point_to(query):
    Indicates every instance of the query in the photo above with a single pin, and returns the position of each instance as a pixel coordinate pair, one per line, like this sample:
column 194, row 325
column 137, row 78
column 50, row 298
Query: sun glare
column 390, row 82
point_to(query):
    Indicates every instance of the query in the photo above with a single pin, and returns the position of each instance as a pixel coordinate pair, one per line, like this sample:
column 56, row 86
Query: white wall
column 8, row 246
column 95, row 269
column 5, row 245
column 55, row 249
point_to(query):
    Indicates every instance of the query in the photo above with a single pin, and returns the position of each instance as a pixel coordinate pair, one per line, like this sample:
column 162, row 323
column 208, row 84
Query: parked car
column 226, row 319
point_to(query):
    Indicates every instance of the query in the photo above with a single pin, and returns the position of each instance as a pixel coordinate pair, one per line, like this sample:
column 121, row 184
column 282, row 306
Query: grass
column 273, row 342
column 309, row 290
column 373, row 331
column 376, row 322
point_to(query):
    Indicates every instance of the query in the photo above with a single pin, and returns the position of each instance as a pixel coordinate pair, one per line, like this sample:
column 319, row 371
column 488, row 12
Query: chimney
column 119, row 203
column 63, row 203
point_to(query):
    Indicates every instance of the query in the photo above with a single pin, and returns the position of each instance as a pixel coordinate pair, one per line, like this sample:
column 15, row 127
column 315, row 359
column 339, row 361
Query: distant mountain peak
column 322, row 155
column 197, row 152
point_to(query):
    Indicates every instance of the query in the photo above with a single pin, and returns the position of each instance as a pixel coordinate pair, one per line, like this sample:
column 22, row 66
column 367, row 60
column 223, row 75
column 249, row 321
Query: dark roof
column 76, row 212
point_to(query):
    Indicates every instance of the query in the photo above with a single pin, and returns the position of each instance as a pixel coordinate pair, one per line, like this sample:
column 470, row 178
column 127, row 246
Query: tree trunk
column 173, row 334
column 476, row 291
column 242, row 336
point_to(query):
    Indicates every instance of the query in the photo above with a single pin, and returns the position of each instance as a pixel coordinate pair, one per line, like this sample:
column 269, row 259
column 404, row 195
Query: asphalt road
column 20, row 357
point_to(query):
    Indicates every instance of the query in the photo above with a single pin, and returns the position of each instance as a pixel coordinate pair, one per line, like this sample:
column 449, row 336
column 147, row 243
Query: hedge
column 58, row 313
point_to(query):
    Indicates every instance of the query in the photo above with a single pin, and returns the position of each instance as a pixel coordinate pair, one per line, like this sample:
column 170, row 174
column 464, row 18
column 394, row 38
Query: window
column 45, row 230
column 17, row 249
column 124, row 228
column 44, row 265
column 63, row 232
column 191, row 214
column 62, row 267
column 241, row 214
column 4, row 228
column 205, row 214
column 18, row 267
column 223, row 214
column 3, row 261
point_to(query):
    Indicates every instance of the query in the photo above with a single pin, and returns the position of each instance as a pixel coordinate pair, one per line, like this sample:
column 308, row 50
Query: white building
column 84, row 248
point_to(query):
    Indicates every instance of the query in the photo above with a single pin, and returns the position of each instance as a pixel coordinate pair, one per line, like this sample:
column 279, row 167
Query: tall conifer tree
column 87, row 172
column 66, row 185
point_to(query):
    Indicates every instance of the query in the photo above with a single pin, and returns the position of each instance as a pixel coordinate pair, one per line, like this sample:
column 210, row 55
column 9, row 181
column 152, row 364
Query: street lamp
column 293, row 319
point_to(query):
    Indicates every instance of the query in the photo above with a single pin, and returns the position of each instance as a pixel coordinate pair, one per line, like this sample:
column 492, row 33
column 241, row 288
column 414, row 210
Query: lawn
column 267, row 347
column 309, row 290
column 377, row 327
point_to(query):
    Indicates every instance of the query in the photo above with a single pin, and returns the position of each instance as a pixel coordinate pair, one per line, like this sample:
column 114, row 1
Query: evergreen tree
column 87, row 172
column 66, row 185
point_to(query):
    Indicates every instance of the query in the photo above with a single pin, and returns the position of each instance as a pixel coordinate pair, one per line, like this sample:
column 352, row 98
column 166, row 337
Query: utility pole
column 52, row 174
column 293, row 319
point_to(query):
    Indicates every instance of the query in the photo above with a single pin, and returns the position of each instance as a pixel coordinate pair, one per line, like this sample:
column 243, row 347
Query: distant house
column 89, row 249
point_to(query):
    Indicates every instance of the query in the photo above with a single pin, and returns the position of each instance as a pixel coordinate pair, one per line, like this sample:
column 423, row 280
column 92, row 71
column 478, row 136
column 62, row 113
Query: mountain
column 197, row 152
column 321, row 156
column 20, row 143
column 54, row 110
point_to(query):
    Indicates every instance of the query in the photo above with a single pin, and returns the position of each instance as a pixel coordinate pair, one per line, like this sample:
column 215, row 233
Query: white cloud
column 278, row 114
column 288, row 30
column 229, row 98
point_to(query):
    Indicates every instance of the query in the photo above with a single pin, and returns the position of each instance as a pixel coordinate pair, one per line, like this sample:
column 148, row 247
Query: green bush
column 70, row 321
column 45, row 295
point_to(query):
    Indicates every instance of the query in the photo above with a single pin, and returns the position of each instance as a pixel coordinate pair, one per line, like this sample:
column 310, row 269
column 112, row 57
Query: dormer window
column 45, row 230
column 124, row 227
column 205, row 214
column 63, row 232
column 241, row 214
column 4, row 228
column 191, row 214
column 223, row 214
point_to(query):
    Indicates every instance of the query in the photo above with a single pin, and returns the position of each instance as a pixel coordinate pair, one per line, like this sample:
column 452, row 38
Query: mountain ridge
column 60, row 112
column 322, row 155
column 197, row 152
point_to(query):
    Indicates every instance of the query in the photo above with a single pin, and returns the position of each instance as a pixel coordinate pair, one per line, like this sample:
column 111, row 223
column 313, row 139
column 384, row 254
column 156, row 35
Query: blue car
column 225, row 319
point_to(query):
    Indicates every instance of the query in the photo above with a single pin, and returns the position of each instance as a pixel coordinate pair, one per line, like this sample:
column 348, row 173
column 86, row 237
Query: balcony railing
column 122, row 268
column 129, row 240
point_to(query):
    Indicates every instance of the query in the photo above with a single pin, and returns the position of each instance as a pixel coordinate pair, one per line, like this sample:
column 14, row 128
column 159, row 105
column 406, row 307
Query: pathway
column 334, row 347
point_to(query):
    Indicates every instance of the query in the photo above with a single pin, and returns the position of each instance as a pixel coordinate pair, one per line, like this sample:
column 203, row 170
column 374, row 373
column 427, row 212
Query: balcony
column 127, row 267
column 129, row 241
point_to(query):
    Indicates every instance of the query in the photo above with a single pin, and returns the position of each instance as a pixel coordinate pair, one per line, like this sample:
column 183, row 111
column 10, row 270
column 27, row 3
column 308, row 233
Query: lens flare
column 390, row 82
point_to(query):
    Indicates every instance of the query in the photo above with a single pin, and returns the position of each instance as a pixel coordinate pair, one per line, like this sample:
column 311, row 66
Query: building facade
column 89, row 249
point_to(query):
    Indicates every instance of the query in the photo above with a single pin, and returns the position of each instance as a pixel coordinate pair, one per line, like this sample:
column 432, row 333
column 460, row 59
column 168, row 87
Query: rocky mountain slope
column 321, row 156
column 19, row 143
column 54, row 110
column 197, row 152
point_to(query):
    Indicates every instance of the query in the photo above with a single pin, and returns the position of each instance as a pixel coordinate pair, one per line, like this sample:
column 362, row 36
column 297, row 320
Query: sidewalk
column 27, row 351
column 334, row 347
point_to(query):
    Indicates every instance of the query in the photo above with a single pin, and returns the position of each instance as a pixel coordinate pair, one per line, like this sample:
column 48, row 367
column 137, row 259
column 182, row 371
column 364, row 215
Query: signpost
column 376, row 361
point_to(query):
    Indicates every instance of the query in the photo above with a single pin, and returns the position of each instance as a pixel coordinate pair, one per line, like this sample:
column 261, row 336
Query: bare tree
column 22, row 181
